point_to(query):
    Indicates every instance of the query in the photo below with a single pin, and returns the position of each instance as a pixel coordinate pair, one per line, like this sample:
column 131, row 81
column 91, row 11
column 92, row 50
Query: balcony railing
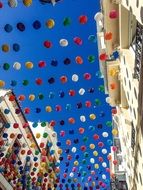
column 119, row 183
column 115, row 124
column 138, row 51
column 117, row 144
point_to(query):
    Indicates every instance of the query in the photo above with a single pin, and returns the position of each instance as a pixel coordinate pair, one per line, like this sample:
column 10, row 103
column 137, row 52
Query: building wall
column 4, row 185
column 24, row 143
column 110, row 25
column 129, row 125
column 136, row 7
column 130, row 84
column 124, row 166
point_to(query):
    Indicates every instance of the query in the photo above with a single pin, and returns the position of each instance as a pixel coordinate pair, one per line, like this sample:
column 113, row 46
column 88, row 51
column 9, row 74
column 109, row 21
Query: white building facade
column 120, row 42
column 24, row 162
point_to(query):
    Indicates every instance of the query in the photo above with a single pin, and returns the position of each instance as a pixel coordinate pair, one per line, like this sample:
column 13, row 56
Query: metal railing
column 118, row 184
column 138, row 51
column 117, row 144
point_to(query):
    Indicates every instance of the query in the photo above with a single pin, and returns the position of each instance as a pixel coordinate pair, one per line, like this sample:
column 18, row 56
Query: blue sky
column 32, row 49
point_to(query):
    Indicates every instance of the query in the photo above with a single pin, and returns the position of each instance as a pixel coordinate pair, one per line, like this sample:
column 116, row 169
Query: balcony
column 110, row 25
column 119, row 183
column 102, row 64
column 115, row 122
column 127, row 26
column 118, row 168
column 124, row 28
column 117, row 155
column 117, row 143
column 124, row 102
column 113, row 82
column 100, row 40
column 138, row 51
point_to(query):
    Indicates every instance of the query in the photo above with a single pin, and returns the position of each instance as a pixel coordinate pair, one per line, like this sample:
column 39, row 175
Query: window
column 131, row 10
column 137, row 3
column 125, row 81
column 127, row 2
column 136, row 176
column 128, row 95
column 135, row 93
column 134, row 113
column 124, row 60
column 141, row 14
column 131, row 109
column 129, row 84
column 133, row 137
column 127, row 73
column 140, row 178
column 139, row 148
